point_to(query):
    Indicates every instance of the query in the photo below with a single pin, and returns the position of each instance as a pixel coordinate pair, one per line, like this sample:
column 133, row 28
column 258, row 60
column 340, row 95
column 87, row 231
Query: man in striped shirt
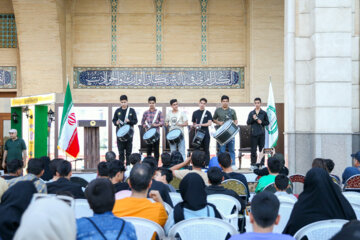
column 153, row 118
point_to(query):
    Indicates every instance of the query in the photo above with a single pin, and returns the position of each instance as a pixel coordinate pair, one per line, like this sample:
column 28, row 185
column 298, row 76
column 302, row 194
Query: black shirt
column 120, row 186
column 240, row 177
column 163, row 190
column 265, row 171
column 258, row 129
column 120, row 115
column 64, row 185
column 8, row 177
column 213, row 189
column 196, row 117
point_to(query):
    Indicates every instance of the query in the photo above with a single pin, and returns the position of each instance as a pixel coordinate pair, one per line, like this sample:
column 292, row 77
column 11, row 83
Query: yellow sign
column 31, row 134
column 33, row 100
column 92, row 123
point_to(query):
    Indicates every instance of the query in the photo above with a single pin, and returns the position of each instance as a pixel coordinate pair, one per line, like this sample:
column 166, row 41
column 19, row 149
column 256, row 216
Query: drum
column 175, row 136
column 198, row 138
column 226, row 132
column 125, row 133
column 151, row 136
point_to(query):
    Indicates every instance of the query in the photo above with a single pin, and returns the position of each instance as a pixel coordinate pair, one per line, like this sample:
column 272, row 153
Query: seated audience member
column 215, row 178
column 194, row 204
column 110, row 156
column 53, row 166
column 197, row 159
column 102, row 170
column 138, row 205
column 356, row 158
column 274, row 167
column 100, row 194
column 228, row 172
column 47, row 218
column 214, row 162
column 47, row 173
column 35, row 170
column 283, row 170
column 281, row 185
column 165, row 176
column 63, row 184
column 350, row 231
column 176, row 158
column 349, row 172
column 134, row 158
column 320, row 200
column 319, row 163
column 14, row 168
column 330, row 167
column 264, row 215
column 156, row 185
column 166, row 160
column 13, row 204
column 3, row 187
column 116, row 175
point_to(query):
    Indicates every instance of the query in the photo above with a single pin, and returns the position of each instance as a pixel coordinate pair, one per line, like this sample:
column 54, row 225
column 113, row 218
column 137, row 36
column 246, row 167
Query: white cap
column 13, row 130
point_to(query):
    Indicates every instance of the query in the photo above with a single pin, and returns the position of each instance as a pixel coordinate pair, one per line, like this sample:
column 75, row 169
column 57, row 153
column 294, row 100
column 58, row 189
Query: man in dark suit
column 63, row 184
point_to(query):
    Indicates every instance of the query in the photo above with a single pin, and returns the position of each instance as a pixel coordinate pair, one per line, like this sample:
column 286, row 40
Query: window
column 8, row 36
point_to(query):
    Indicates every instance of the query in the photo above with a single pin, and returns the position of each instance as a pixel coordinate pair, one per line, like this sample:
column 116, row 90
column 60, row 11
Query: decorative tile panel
column 114, row 5
column 232, row 77
column 159, row 19
column 8, row 36
column 203, row 4
column 7, row 77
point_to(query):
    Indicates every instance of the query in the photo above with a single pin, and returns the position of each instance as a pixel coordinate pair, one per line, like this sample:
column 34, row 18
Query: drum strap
column 156, row 114
column 127, row 114
column 202, row 117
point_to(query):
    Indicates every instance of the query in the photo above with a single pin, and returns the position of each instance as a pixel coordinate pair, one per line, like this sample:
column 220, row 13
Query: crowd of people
column 142, row 189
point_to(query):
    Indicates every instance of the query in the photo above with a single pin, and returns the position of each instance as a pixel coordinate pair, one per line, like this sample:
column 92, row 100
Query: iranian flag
column 68, row 139
column 272, row 131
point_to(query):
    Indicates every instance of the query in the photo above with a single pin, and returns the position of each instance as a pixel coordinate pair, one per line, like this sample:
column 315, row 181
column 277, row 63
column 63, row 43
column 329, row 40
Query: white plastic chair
column 145, row 228
column 87, row 176
column 354, row 199
column 225, row 204
column 175, row 197
column 82, row 208
column 168, row 208
column 285, row 210
column 325, row 229
column 286, row 198
column 202, row 228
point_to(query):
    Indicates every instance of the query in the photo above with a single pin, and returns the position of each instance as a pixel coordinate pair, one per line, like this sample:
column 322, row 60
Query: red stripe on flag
column 73, row 147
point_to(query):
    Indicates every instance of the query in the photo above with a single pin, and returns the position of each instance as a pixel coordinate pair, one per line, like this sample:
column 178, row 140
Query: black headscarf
column 320, row 200
column 192, row 190
column 47, row 173
column 13, row 204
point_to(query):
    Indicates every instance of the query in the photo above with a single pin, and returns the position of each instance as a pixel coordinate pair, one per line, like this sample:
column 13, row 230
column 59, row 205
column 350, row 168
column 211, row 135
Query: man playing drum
column 221, row 115
column 202, row 119
column 176, row 120
column 153, row 118
column 124, row 116
column 258, row 119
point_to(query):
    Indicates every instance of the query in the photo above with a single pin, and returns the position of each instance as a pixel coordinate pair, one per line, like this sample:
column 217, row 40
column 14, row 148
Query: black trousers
column 125, row 149
column 256, row 141
column 205, row 144
column 153, row 147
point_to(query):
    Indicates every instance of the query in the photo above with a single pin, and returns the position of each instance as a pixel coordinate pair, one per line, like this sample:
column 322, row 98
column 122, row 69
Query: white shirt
column 175, row 118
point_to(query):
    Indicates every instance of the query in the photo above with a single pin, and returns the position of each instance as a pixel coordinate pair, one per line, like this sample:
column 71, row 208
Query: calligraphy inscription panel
column 7, row 77
column 232, row 77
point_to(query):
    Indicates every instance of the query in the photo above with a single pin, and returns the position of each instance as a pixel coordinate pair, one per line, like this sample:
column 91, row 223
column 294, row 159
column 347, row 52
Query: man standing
column 176, row 120
column 122, row 116
column 15, row 148
column 221, row 115
column 153, row 118
column 202, row 119
column 258, row 119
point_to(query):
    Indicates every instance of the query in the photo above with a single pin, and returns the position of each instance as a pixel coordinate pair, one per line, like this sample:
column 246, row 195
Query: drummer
column 176, row 120
column 221, row 115
column 124, row 115
column 203, row 123
column 152, row 118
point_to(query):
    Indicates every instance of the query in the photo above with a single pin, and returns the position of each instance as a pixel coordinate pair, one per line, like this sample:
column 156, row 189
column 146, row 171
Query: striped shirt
column 39, row 184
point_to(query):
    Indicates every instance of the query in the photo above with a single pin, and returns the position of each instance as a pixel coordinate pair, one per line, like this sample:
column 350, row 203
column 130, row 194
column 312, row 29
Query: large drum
column 125, row 133
column 151, row 136
column 175, row 136
column 226, row 132
column 198, row 138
